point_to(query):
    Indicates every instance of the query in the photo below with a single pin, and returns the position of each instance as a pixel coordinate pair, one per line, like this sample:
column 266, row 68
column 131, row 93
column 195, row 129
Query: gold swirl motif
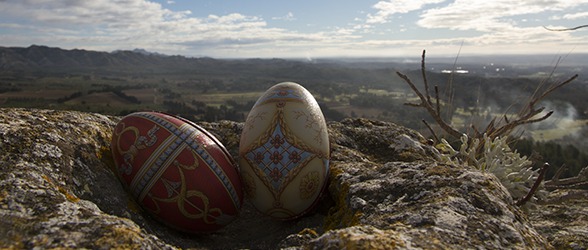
column 309, row 185
column 249, row 122
column 188, row 167
column 207, row 214
column 125, row 129
column 311, row 121
column 140, row 142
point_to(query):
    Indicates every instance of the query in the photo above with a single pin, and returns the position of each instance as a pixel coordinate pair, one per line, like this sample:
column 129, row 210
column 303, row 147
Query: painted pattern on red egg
column 177, row 171
column 284, row 152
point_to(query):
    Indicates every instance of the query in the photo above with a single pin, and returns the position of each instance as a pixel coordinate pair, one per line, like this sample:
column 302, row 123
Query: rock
column 387, row 190
column 563, row 220
column 399, row 195
column 57, row 189
column 54, row 179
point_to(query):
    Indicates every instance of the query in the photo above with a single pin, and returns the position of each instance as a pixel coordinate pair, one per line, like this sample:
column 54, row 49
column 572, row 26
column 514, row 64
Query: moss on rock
column 386, row 191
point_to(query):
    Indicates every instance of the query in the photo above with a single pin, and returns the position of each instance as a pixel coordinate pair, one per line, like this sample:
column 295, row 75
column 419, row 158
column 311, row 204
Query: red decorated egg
column 284, row 152
column 177, row 171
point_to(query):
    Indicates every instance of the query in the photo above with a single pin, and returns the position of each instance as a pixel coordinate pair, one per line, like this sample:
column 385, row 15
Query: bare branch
column 490, row 128
column 566, row 29
column 423, row 72
column 507, row 128
column 535, row 186
column 432, row 131
column 555, row 178
column 477, row 133
column 579, row 181
column 493, row 130
column 526, row 115
column 569, row 195
column 424, row 103
column 497, row 127
column 437, row 100
column 528, row 121
column 551, row 89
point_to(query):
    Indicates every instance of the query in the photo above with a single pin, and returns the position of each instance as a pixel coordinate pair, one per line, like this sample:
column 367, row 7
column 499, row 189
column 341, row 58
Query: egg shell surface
column 284, row 152
column 177, row 171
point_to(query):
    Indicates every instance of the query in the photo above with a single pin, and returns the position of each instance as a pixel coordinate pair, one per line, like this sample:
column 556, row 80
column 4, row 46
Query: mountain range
column 35, row 59
column 38, row 58
column 43, row 58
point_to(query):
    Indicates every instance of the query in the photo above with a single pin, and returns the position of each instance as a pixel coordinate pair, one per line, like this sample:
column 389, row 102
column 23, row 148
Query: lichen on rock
column 387, row 190
column 52, row 183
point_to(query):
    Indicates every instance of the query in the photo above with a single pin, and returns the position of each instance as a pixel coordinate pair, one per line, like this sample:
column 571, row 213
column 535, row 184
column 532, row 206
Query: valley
column 206, row 89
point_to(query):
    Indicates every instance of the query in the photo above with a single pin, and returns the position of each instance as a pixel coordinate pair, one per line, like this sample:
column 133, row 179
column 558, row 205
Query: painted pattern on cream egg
column 284, row 152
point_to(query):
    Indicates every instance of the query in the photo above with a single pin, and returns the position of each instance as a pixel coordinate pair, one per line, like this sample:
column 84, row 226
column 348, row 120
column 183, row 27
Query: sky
column 299, row 29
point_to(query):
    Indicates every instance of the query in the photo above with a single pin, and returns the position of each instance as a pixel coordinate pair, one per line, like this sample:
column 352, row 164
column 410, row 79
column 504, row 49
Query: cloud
column 83, row 12
column 574, row 16
column 118, row 24
column 483, row 15
column 387, row 9
column 287, row 17
column 126, row 24
column 494, row 24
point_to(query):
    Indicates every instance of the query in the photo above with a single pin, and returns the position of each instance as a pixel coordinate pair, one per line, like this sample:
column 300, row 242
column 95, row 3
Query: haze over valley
column 472, row 90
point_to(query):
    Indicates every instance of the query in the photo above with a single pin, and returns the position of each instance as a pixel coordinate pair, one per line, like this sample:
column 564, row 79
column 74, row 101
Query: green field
column 96, row 94
column 564, row 128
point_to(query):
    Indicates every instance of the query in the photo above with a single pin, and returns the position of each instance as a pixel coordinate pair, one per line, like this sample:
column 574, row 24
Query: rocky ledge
column 387, row 190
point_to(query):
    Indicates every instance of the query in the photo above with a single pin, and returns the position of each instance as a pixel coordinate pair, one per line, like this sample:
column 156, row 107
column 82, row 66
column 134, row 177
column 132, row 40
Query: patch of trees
column 118, row 91
column 9, row 87
column 126, row 97
column 180, row 108
column 169, row 94
column 331, row 90
column 70, row 97
column 223, row 112
column 107, row 87
column 506, row 94
column 4, row 89
column 240, row 106
column 367, row 100
column 24, row 101
column 199, row 111
column 331, row 114
column 230, row 110
column 393, row 109
column 112, row 79
column 556, row 154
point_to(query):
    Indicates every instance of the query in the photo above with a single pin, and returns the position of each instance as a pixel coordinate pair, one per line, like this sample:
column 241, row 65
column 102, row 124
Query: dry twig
column 535, row 186
column 567, row 29
column 426, row 103
column 580, row 181
column 493, row 130
column 437, row 140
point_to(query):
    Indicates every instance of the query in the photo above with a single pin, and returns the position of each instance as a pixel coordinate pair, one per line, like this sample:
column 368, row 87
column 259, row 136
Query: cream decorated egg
column 284, row 152
column 177, row 171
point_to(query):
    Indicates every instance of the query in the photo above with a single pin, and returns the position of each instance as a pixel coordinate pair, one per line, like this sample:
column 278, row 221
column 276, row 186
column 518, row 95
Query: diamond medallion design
column 277, row 158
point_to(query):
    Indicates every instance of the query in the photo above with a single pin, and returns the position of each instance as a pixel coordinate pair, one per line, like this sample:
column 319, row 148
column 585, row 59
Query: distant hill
column 38, row 58
column 141, row 51
column 43, row 58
